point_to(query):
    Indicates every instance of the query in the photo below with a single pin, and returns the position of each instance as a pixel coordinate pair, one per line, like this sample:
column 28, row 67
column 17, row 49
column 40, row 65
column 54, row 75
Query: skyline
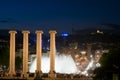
column 62, row 15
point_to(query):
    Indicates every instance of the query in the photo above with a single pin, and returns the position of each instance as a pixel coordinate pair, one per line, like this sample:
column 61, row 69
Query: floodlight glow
column 65, row 34
column 98, row 65
column 91, row 56
column 48, row 40
column 63, row 64
column 83, row 52
column 89, row 65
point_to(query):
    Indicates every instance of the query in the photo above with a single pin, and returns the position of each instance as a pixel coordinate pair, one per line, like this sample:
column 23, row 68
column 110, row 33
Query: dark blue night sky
column 62, row 15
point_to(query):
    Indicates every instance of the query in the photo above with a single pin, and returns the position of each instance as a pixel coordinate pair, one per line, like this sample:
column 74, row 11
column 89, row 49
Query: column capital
column 52, row 31
column 12, row 31
column 25, row 31
column 39, row 31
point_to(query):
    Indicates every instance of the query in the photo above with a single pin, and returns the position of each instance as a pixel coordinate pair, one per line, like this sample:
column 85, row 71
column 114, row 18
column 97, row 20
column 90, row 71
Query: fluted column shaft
column 52, row 50
column 25, row 52
column 39, row 49
column 12, row 53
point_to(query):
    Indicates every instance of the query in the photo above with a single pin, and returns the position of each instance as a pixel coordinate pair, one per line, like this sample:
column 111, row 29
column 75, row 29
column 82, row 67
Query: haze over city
column 62, row 15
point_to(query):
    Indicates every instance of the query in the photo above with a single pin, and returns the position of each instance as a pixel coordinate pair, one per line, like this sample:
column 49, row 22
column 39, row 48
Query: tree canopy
column 109, row 65
column 4, row 55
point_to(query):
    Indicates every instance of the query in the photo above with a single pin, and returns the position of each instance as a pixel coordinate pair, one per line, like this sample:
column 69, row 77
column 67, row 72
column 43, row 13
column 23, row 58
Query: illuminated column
column 12, row 53
column 25, row 52
column 52, row 53
column 39, row 49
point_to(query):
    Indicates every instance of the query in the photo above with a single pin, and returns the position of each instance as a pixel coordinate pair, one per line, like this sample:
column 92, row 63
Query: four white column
column 38, row 51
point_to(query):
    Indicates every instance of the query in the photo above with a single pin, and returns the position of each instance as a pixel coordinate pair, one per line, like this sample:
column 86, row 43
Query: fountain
column 63, row 64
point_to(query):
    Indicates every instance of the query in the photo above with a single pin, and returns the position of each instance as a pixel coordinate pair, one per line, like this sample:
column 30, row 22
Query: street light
column 83, row 52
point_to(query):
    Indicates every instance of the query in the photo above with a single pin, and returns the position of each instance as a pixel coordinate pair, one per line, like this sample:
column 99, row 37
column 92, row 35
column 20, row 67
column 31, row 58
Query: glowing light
column 98, row 65
column 63, row 64
column 47, row 48
column 76, row 56
column 91, row 56
column 77, row 63
column 83, row 52
column 98, row 31
column 97, row 51
column 65, row 34
column 48, row 40
column 89, row 65
column 84, row 72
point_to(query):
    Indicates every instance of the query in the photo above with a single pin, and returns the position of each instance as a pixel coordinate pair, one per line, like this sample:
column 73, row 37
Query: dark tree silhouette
column 4, row 56
column 109, row 65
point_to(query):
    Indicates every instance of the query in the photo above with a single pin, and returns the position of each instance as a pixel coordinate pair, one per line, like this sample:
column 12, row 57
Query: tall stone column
column 25, row 52
column 12, row 53
column 39, row 50
column 52, row 53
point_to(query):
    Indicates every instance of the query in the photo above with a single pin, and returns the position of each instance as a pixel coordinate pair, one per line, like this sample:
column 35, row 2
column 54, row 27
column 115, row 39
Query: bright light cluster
column 66, row 64
column 63, row 64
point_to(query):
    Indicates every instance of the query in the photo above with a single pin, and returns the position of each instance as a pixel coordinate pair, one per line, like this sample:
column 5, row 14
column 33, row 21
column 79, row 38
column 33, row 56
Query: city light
column 65, row 34
column 83, row 52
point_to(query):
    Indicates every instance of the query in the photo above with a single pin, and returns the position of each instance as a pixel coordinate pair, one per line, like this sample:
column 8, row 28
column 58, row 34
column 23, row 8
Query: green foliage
column 109, row 65
column 18, row 62
column 4, row 56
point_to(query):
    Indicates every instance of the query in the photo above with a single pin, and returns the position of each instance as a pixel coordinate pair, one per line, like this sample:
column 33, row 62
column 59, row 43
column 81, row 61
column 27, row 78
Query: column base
column 25, row 75
column 38, row 74
column 52, row 74
column 11, row 74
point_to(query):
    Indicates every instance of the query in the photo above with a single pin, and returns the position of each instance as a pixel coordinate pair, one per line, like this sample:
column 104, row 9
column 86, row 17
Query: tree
column 109, row 65
column 4, row 56
column 18, row 62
